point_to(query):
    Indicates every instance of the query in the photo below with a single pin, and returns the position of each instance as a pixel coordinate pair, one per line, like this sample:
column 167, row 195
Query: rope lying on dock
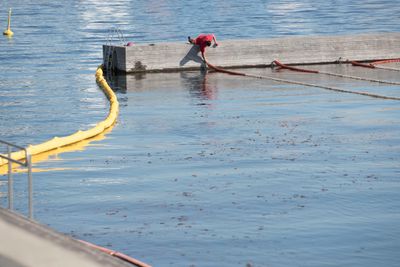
column 57, row 142
column 393, row 60
column 300, row 83
column 333, row 74
column 373, row 64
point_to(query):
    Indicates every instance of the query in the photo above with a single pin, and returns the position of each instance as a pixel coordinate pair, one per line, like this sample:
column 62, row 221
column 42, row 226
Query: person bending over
column 203, row 40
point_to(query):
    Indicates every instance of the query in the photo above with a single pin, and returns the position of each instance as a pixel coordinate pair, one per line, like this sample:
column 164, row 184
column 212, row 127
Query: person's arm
column 205, row 63
column 203, row 54
column 215, row 40
column 203, row 51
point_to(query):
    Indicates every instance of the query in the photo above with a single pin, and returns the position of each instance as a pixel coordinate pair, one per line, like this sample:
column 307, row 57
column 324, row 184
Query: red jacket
column 202, row 39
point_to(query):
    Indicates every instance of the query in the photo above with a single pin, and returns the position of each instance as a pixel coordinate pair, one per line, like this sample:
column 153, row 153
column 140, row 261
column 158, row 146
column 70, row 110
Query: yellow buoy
column 9, row 32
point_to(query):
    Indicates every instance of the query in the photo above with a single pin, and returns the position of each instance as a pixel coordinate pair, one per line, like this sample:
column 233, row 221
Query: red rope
column 372, row 65
column 223, row 70
column 358, row 64
column 283, row 66
column 394, row 60
column 117, row 254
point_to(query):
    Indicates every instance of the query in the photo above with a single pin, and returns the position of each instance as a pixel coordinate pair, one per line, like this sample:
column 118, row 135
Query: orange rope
column 223, row 70
column 283, row 66
column 372, row 65
column 116, row 254
column 358, row 64
column 394, row 60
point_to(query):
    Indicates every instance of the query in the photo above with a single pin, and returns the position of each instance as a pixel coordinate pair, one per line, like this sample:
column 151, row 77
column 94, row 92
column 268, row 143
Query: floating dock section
column 178, row 56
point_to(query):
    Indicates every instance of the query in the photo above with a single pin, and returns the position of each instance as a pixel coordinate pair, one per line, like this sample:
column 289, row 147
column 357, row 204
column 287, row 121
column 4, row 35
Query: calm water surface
column 206, row 170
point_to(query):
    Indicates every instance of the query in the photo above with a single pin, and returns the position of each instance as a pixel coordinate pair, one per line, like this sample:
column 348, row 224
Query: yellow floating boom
column 57, row 142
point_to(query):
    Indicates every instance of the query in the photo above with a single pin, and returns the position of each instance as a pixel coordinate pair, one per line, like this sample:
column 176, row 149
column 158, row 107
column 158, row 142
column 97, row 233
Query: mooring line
column 373, row 64
column 387, row 68
column 334, row 74
column 301, row 83
column 358, row 78
column 384, row 61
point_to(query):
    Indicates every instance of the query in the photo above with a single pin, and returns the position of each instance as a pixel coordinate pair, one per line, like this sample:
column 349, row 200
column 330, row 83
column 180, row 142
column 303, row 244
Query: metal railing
column 26, row 163
column 115, row 34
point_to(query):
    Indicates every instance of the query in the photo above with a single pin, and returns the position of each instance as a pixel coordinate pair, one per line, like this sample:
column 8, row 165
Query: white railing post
column 10, row 182
column 28, row 164
column 30, row 183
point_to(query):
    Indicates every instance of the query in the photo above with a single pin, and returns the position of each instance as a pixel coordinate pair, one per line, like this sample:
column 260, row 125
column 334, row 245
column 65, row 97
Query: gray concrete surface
column 254, row 53
column 25, row 243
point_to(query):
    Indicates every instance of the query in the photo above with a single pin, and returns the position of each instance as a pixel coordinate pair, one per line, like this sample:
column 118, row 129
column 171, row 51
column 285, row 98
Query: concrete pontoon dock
column 180, row 56
column 28, row 243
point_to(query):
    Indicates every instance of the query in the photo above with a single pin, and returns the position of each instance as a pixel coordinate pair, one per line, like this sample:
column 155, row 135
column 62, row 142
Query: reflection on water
column 55, row 154
column 198, row 85
column 195, row 82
